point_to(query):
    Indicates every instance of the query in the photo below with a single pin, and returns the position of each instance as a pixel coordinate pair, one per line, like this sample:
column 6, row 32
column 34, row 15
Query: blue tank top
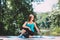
column 31, row 26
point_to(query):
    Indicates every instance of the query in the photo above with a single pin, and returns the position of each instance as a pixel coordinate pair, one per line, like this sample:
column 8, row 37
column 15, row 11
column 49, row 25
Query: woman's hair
column 30, row 16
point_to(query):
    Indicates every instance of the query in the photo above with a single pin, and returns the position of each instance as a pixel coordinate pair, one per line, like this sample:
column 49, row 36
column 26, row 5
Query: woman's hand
column 28, row 28
column 38, row 31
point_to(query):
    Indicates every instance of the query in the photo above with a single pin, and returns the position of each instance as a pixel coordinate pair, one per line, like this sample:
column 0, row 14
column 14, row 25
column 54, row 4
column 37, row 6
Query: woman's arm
column 24, row 25
column 37, row 28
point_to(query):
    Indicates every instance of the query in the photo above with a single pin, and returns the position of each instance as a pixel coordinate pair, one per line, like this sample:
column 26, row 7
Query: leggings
column 27, row 33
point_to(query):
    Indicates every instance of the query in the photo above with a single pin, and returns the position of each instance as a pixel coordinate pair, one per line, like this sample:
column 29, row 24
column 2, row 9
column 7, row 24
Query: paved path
column 43, row 38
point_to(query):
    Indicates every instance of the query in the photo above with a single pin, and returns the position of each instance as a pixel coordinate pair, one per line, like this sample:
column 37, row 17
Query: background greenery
column 13, row 13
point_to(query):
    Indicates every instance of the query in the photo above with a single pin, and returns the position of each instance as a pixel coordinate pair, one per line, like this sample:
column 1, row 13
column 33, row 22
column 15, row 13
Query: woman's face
column 32, row 17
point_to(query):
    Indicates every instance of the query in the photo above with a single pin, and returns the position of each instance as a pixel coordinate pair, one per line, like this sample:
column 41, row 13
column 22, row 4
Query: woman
column 28, row 27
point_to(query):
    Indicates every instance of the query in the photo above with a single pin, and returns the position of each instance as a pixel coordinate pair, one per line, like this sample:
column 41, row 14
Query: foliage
column 13, row 14
column 55, row 31
column 54, row 20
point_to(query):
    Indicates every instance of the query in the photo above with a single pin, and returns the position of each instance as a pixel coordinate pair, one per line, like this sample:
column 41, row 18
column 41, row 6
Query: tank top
column 31, row 26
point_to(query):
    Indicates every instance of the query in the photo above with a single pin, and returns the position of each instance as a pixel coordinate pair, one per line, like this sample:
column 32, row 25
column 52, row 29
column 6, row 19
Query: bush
column 56, row 31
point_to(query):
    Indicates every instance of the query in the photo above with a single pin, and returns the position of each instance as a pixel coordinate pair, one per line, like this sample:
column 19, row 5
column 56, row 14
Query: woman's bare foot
column 30, row 36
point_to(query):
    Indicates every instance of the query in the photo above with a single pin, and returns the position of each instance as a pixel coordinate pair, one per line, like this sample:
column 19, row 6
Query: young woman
column 28, row 27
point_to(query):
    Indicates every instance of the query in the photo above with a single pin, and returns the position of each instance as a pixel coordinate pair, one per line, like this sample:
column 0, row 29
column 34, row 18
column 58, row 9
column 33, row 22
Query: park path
column 44, row 38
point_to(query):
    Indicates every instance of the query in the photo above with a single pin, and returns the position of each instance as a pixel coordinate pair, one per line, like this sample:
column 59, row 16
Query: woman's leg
column 23, row 31
column 27, row 33
column 31, row 34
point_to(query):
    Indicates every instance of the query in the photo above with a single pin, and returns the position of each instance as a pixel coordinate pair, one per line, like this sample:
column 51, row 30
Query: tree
column 14, row 13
